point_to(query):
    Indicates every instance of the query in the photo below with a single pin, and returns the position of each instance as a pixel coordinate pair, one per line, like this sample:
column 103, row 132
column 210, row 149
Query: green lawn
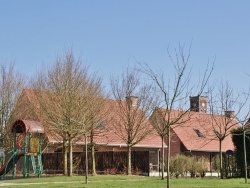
column 122, row 182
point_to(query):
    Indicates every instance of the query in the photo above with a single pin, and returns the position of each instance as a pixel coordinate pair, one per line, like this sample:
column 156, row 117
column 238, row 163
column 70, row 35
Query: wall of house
column 178, row 148
column 175, row 147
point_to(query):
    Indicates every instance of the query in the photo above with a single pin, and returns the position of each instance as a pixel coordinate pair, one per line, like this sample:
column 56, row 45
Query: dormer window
column 199, row 134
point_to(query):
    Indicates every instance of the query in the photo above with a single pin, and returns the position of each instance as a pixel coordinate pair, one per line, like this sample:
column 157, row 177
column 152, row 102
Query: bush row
column 181, row 165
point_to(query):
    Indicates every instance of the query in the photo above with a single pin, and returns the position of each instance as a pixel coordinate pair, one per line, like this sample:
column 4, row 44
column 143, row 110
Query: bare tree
column 226, row 110
column 135, row 102
column 11, row 85
column 67, row 101
column 174, row 92
column 245, row 128
column 96, row 113
column 245, row 122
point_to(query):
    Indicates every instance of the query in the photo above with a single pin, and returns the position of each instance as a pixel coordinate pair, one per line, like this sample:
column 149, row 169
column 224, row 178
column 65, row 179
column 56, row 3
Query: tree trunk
column 221, row 168
column 86, row 159
column 93, row 159
column 162, row 157
column 129, row 169
column 70, row 159
column 92, row 145
column 168, row 159
column 65, row 158
column 245, row 154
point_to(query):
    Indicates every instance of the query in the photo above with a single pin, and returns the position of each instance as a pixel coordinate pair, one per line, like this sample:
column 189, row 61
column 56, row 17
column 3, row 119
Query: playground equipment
column 27, row 142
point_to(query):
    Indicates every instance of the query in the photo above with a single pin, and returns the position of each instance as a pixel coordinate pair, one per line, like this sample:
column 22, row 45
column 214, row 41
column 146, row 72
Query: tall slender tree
column 174, row 94
column 226, row 108
column 135, row 101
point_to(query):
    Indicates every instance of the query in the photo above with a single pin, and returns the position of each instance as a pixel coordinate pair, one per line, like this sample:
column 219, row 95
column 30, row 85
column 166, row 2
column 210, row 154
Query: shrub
column 216, row 163
column 197, row 166
column 191, row 166
column 178, row 165
column 202, row 166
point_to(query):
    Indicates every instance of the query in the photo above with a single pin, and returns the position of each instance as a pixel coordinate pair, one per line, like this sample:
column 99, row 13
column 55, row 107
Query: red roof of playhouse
column 107, row 135
column 197, row 132
column 27, row 126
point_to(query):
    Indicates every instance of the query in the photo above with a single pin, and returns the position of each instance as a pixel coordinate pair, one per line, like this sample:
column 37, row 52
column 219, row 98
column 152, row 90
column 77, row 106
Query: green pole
column 28, row 157
column 25, row 156
column 39, row 156
column 14, row 155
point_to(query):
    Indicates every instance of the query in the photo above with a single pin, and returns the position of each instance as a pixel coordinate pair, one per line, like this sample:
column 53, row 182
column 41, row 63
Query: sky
column 110, row 35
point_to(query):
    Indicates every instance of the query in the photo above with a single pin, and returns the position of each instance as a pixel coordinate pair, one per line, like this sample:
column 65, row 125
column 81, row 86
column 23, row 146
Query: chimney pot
column 229, row 113
column 198, row 103
column 132, row 100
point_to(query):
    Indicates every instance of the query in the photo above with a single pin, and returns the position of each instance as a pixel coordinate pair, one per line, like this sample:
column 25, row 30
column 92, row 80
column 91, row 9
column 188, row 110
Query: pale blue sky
column 110, row 34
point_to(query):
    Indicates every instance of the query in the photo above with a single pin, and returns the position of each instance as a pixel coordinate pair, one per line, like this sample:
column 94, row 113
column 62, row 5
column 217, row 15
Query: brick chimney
column 229, row 113
column 132, row 100
column 198, row 103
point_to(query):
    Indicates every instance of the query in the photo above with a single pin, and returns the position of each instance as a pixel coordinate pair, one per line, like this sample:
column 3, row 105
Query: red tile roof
column 111, row 137
column 197, row 132
column 107, row 134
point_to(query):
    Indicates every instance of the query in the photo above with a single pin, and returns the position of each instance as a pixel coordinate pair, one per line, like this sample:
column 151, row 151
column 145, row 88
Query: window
column 197, row 131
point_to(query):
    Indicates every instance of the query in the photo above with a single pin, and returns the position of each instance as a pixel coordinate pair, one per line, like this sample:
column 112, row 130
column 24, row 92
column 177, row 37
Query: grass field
column 122, row 182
